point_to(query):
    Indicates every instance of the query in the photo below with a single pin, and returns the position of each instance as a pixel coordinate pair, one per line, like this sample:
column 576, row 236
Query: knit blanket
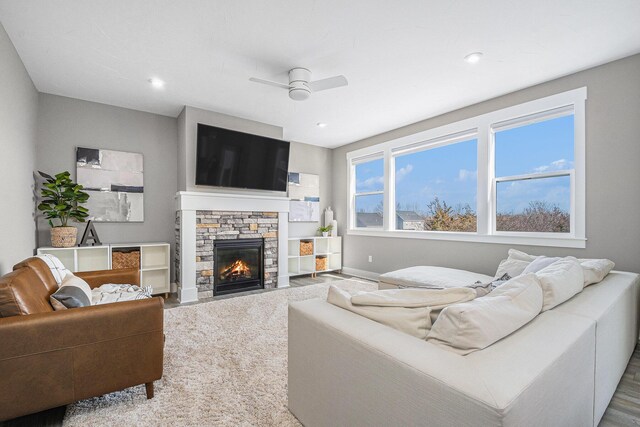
column 58, row 270
column 110, row 292
column 407, row 310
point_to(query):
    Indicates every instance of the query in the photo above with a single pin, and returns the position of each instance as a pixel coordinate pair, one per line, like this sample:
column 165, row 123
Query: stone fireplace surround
column 204, row 217
column 225, row 225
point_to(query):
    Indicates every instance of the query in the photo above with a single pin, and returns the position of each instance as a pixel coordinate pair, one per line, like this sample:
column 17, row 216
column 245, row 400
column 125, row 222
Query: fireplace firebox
column 238, row 265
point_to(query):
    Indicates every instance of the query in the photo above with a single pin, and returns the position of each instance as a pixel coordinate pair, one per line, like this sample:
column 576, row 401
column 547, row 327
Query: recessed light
column 473, row 58
column 156, row 83
column 321, row 125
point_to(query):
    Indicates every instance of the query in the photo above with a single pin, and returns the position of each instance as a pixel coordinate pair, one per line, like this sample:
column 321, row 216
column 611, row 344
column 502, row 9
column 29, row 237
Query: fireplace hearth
column 238, row 265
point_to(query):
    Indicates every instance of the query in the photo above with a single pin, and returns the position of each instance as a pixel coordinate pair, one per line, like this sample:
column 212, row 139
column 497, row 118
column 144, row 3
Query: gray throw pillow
column 69, row 297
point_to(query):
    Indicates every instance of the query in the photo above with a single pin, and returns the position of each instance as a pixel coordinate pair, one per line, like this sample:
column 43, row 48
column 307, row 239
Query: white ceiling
column 403, row 59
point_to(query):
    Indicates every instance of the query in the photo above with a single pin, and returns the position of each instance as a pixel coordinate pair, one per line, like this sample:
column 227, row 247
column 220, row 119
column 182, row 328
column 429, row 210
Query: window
column 534, row 162
column 436, row 187
column 369, row 193
column 513, row 176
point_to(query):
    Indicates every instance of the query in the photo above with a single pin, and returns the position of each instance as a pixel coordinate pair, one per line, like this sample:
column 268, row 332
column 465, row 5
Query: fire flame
column 238, row 269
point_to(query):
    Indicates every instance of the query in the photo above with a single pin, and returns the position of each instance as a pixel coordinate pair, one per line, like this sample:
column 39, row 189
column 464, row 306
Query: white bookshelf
column 155, row 259
column 329, row 247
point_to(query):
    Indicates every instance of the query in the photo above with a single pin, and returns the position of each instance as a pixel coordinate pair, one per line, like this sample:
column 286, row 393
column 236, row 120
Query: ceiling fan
column 300, row 85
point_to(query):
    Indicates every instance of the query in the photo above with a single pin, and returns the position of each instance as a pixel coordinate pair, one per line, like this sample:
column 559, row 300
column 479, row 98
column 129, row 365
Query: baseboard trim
column 283, row 282
column 361, row 273
column 187, row 295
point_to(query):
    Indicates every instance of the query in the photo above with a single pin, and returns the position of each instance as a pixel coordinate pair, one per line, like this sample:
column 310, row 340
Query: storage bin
column 125, row 259
column 306, row 247
column 321, row 263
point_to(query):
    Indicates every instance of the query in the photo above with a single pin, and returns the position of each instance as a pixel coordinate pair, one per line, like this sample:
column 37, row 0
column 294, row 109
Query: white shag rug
column 225, row 364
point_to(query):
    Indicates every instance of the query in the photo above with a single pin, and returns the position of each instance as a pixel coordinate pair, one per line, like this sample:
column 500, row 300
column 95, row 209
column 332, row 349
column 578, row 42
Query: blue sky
column 449, row 172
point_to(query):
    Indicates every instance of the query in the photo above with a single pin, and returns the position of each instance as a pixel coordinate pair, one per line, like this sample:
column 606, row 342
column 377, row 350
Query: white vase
column 328, row 216
column 325, row 234
column 334, row 228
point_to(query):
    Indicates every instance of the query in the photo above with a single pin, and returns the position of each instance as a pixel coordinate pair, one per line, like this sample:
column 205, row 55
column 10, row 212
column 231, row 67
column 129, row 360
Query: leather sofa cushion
column 40, row 268
column 22, row 292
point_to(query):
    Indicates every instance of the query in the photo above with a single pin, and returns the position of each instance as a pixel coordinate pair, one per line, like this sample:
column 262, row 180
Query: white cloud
column 402, row 172
column 465, row 175
column 371, row 182
column 554, row 166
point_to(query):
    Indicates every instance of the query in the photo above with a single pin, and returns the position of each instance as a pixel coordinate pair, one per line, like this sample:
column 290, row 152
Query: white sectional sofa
column 561, row 369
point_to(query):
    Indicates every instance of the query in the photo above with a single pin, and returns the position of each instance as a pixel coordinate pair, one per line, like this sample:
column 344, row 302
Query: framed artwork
column 304, row 195
column 115, row 183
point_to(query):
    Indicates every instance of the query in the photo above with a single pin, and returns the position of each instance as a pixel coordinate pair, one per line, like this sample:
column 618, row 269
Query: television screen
column 227, row 158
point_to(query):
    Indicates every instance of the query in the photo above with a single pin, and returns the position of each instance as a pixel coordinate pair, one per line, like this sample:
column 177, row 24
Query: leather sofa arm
column 56, row 358
column 45, row 332
column 124, row 276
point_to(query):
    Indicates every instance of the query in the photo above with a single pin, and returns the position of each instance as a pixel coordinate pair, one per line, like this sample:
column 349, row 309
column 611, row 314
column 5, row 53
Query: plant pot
column 63, row 237
column 325, row 234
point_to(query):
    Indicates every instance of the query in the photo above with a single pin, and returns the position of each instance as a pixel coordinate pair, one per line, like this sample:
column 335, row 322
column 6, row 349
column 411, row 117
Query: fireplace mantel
column 189, row 202
column 195, row 201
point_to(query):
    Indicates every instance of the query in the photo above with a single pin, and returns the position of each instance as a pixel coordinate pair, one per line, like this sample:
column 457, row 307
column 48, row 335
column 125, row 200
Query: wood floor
column 624, row 409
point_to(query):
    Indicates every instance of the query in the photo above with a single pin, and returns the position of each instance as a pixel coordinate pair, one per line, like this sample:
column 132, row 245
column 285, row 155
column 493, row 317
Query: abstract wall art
column 304, row 195
column 114, row 181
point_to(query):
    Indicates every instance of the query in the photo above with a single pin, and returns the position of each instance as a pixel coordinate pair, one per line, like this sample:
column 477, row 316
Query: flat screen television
column 227, row 158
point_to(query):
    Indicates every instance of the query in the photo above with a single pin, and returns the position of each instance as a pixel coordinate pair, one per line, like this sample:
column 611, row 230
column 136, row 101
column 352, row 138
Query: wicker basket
column 306, row 247
column 63, row 237
column 122, row 259
column 321, row 263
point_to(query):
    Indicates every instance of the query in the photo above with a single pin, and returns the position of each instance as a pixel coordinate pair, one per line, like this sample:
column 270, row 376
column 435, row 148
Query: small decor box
column 321, row 263
column 125, row 258
column 306, row 247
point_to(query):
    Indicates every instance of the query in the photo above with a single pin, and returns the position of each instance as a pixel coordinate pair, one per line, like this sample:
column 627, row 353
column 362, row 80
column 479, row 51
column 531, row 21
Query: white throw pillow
column 539, row 263
column 521, row 256
column 474, row 325
column 512, row 267
column 560, row 281
column 595, row 270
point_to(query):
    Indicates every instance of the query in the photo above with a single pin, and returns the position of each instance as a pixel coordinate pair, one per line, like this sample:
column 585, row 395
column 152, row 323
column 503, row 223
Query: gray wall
column 315, row 160
column 303, row 158
column 613, row 177
column 66, row 123
column 18, row 112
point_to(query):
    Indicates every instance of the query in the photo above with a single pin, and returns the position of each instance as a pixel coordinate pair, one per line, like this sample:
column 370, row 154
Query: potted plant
column 325, row 230
column 61, row 200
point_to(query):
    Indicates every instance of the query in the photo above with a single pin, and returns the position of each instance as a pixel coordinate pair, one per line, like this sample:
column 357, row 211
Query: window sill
column 552, row 241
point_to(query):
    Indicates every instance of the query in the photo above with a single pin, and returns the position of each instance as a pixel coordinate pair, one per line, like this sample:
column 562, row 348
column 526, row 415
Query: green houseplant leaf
column 62, row 199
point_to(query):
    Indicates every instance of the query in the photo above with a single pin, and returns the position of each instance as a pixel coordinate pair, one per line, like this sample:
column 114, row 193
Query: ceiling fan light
column 299, row 93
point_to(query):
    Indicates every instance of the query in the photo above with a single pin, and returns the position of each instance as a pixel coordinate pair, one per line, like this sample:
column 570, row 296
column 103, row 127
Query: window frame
column 484, row 127
column 354, row 194
column 432, row 144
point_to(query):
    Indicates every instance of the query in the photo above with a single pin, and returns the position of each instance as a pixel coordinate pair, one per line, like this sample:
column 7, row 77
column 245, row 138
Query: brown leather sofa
column 52, row 358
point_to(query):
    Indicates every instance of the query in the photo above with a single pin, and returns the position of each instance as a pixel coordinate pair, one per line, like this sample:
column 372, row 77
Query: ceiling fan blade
column 330, row 83
column 270, row 83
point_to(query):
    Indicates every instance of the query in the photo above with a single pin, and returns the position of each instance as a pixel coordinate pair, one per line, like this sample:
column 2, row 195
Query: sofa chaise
column 561, row 369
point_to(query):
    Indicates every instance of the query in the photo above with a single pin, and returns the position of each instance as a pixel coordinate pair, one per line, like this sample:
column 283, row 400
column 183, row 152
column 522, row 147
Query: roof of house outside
column 369, row 219
column 409, row 216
